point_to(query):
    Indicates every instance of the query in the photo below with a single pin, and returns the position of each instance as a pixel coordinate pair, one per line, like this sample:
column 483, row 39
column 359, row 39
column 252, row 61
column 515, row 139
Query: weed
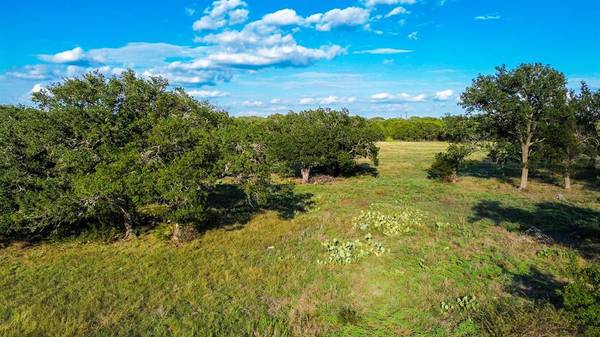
column 400, row 222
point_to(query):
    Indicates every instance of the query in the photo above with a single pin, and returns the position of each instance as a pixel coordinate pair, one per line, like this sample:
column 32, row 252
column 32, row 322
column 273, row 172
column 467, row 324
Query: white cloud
column 68, row 56
column 252, row 103
column 388, row 61
column 382, row 96
column 284, row 17
column 36, row 88
column 348, row 17
column 276, row 101
column 413, row 36
column 373, row 3
column 443, row 95
column 307, row 101
column 190, row 11
column 397, row 11
column 487, row 17
column 207, row 93
column 329, row 100
column 402, row 97
column 220, row 14
column 238, row 16
column 383, row 51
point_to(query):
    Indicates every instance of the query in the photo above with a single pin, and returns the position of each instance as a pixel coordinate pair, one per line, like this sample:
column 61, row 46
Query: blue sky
column 376, row 57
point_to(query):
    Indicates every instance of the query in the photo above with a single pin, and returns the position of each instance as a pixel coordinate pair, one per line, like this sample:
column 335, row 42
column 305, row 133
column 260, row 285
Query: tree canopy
column 517, row 106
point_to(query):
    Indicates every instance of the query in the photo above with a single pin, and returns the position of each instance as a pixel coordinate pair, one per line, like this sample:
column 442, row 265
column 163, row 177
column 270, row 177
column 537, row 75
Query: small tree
column 517, row 105
column 447, row 164
column 325, row 139
column 573, row 134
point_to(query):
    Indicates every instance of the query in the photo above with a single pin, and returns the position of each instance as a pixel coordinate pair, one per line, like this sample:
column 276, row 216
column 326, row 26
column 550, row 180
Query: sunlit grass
column 263, row 279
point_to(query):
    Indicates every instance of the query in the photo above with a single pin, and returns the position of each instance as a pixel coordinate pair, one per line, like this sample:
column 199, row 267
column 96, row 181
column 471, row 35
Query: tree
column 517, row 105
column 323, row 139
column 99, row 150
column 447, row 164
column 587, row 114
column 573, row 133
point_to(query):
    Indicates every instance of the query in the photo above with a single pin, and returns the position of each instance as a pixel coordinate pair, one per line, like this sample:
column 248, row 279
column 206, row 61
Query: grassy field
column 262, row 277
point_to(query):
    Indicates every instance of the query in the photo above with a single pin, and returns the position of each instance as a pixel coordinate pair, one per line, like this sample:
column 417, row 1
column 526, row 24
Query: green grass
column 262, row 278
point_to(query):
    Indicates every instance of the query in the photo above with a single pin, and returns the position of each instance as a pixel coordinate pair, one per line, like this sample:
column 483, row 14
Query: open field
column 262, row 277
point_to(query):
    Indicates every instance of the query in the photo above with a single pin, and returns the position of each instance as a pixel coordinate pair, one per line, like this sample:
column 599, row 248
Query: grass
column 261, row 277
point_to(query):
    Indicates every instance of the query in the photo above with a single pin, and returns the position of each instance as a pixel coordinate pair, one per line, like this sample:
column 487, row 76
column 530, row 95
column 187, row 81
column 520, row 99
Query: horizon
column 377, row 58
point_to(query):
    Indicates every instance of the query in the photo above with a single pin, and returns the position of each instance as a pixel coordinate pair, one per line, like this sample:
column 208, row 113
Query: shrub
column 582, row 299
column 446, row 164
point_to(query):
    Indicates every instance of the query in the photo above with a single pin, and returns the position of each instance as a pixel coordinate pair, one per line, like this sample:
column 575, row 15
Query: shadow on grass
column 536, row 285
column 362, row 169
column 511, row 173
column 229, row 206
column 566, row 224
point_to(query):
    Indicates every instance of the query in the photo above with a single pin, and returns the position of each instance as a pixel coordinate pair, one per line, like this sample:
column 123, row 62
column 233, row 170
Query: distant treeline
column 414, row 128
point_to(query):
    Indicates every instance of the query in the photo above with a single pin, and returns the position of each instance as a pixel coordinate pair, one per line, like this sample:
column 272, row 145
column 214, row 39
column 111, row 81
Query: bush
column 582, row 299
column 447, row 164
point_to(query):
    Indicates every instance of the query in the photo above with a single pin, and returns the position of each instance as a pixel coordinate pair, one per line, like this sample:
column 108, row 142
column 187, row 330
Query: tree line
column 525, row 115
column 119, row 152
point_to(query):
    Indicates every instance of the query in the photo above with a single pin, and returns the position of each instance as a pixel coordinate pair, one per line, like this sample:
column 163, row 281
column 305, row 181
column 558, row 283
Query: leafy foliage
column 326, row 140
column 411, row 129
column 517, row 105
column 582, row 299
column 447, row 164
column 97, row 150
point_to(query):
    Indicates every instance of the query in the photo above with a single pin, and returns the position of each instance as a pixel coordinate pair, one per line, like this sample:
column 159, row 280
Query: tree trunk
column 305, row 171
column 567, row 181
column 524, row 165
column 129, row 233
column 176, row 233
column 128, row 224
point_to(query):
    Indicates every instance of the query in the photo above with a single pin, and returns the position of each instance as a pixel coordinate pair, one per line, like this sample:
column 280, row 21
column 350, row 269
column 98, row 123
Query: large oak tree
column 517, row 106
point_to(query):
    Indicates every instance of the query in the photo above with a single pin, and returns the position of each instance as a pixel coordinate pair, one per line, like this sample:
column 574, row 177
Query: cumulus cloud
column 443, row 95
column 220, row 14
column 207, row 93
column 328, row 100
column 36, row 88
column 252, row 103
column 382, row 96
column 413, row 36
column 307, row 101
column 487, row 17
column 397, row 11
column 73, row 56
column 401, row 97
column 347, row 17
column 373, row 3
column 284, row 17
column 383, row 51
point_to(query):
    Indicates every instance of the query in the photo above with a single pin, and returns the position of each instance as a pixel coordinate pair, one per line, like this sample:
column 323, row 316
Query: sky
column 387, row 58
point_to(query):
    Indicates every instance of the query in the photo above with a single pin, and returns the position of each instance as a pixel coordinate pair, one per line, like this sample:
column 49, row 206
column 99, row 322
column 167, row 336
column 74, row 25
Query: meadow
column 468, row 249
